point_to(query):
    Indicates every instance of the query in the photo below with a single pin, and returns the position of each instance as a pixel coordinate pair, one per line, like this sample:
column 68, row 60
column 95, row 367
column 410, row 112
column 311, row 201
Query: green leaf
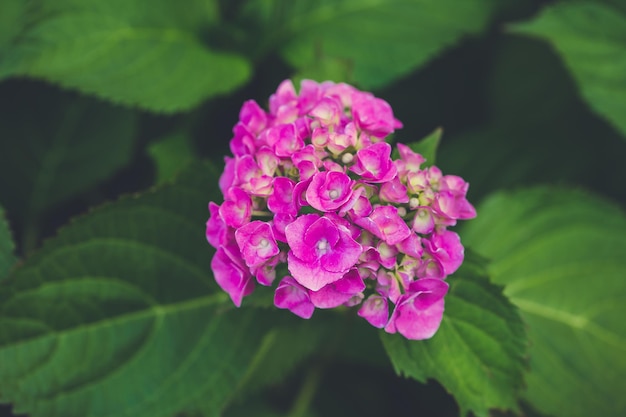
column 590, row 38
column 147, row 53
column 383, row 40
column 478, row 352
column 12, row 16
column 7, row 247
column 426, row 147
column 119, row 314
column 170, row 155
column 560, row 255
column 57, row 146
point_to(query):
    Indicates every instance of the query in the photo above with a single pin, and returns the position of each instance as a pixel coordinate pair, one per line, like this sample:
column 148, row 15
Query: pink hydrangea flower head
column 312, row 187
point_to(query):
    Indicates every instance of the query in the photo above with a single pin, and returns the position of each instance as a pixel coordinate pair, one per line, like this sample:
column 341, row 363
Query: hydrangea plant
column 312, row 184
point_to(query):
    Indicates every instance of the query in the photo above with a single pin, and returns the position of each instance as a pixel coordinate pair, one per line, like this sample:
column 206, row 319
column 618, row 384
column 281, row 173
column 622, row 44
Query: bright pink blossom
column 373, row 115
column 312, row 187
column 294, row 297
column 446, row 247
column 385, row 223
column 375, row 310
column 418, row 313
column 374, row 163
column 338, row 292
column 329, row 190
column 231, row 274
column 256, row 242
column 321, row 251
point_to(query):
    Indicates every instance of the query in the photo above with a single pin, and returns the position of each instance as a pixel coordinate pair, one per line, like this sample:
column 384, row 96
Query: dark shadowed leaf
column 560, row 255
column 539, row 130
column 478, row 352
column 56, row 146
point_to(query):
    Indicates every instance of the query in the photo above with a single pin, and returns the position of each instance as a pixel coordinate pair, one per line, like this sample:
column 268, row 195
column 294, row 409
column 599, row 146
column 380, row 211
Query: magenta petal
column 322, row 230
column 215, row 226
column 329, row 190
column 446, row 247
column 394, row 192
column 338, row 292
column 375, row 310
column 252, row 116
column 256, row 242
column 295, row 231
column 418, row 314
column 292, row 296
column 344, row 254
column 232, row 276
column 374, row 163
column 310, row 274
column 385, row 223
column 411, row 246
column 281, row 199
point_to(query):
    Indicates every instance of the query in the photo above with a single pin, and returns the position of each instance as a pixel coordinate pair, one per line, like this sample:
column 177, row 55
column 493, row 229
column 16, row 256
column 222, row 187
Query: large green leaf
column 381, row 40
column 119, row 314
column 55, row 146
column 560, row 255
column 590, row 37
column 478, row 352
column 7, row 247
column 137, row 52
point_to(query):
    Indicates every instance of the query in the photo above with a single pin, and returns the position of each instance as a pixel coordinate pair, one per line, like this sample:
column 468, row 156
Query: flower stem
column 260, row 213
column 307, row 392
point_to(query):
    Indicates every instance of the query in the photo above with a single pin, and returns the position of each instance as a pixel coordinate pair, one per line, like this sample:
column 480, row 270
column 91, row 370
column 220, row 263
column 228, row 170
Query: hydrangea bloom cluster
column 312, row 184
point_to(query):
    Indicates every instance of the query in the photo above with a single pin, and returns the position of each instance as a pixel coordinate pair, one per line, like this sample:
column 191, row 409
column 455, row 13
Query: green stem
column 307, row 392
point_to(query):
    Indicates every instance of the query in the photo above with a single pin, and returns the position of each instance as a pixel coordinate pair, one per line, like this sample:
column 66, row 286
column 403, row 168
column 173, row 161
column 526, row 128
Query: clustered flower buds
column 312, row 184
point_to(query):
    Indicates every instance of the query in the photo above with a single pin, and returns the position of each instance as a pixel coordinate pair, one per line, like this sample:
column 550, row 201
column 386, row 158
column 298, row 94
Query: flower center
column 264, row 243
column 333, row 194
column 322, row 246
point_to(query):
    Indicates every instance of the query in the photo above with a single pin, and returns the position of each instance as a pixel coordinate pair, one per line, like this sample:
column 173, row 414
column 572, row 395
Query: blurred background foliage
column 100, row 99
